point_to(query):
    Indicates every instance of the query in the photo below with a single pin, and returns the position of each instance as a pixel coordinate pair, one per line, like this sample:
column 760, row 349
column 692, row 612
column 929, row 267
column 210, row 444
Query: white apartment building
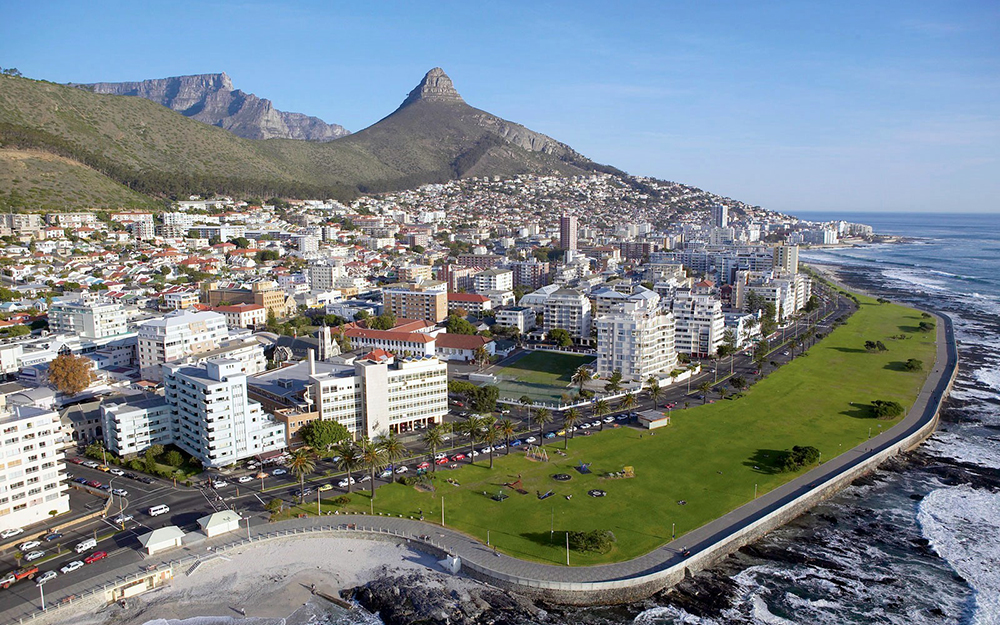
column 568, row 309
column 637, row 339
column 71, row 220
column 178, row 300
column 243, row 315
column 177, row 335
column 744, row 326
column 88, row 317
column 520, row 317
column 700, row 323
column 214, row 420
column 493, row 280
column 323, row 276
column 131, row 427
column 380, row 393
column 786, row 258
column 247, row 350
column 32, row 470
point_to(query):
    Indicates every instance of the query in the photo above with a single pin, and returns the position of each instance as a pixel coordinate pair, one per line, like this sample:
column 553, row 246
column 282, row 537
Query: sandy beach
column 270, row 581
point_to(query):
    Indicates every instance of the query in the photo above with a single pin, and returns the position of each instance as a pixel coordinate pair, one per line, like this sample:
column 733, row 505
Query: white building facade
column 91, row 318
column 636, row 339
column 700, row 323
column 32, row 470
column 175, row 336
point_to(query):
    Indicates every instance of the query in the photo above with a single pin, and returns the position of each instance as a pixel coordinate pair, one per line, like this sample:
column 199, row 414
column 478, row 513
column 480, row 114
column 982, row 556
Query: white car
column 278, row 472
column 609, row 419
column 220, row 484
column 585, row 426
column 34, row 555
column 245, row 478
column 116, row 472
column 45, row 577
column 10, row 533
column 345, row 482
column 531, row 440
column 401, row 469
column 365, row 478
column 385, row 474
column 474, row 453
column 439, row 456
column 121, row 492
column 28, row 546
column 122, row 518
column 72, row 566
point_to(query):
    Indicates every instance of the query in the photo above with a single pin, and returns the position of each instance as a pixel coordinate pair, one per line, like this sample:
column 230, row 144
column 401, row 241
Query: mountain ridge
column 212, row 99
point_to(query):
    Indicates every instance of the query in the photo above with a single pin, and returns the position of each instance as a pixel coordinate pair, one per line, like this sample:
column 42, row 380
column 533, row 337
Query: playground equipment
column 583, row 468
column 545, row 496
column 535, row 452
column 500, row 496
column 516, row 486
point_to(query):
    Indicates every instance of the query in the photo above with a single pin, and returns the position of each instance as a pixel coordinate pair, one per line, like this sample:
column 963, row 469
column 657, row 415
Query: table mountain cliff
column 211, row 98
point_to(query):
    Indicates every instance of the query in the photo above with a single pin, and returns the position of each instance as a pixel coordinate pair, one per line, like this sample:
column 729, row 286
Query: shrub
column 173, row 458
column 886, row 409
column 926, row 326
column 913, row 364
column 798, row 457
column 596, row 541
column 343, row 500
column 274, row 505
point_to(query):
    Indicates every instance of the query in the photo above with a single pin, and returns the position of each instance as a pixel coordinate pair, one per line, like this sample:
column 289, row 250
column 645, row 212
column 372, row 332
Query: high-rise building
column 92, row 318
column 570, row 310
column 637, row 340
column 323, row 275
column 494, row 280
column 33, row 471
column 720, row 216
column 700, row 322
column 417, row 300
column 786, row 258
column 531, row 273
column 567, row 232
column 178, row 335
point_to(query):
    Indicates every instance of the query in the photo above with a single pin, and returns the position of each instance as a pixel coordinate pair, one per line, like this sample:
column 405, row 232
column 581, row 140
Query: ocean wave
column 978, row 451
column 961, row 524
column 670, row 615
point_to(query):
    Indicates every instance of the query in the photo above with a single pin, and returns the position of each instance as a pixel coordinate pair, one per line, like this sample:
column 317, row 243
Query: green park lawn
column 544, row 376
column 711, row 456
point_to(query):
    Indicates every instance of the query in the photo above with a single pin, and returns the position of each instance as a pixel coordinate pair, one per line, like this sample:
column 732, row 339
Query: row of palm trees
column 372, row 455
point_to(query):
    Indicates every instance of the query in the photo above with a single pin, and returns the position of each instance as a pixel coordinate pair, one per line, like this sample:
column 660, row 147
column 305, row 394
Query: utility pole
column 41, row 589
column 442, row 510
column 755, row 490
column 567, row 548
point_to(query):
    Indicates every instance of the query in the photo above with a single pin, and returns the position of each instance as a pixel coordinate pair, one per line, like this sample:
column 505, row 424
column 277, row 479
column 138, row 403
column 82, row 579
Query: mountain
column 143, row 147
column 211, row 98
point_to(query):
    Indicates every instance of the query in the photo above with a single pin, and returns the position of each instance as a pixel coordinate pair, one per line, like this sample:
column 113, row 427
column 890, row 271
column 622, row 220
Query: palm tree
column 570, row 417
column 705, row 387
column 581, row 376
column 433, row 438
column 372, row 458
column 627, row 402
column 349, row 460
column 302, row 461
column 601, row 408
column 653, row 388
column 471, row 427
column 393, row 448
column 507, row 429
column 490, row 436
column 543, row 416
column 722, row 392
column 481, row 356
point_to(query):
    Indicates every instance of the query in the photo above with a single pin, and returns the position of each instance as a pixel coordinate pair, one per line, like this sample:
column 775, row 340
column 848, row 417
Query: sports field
column 710, row 458
column 543, row 376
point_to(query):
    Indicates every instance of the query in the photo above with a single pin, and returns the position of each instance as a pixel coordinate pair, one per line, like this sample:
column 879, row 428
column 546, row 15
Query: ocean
column 917, row 542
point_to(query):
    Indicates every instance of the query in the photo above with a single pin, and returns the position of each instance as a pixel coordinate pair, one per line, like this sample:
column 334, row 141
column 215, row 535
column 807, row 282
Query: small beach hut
column 162, row 539
column 219, row 523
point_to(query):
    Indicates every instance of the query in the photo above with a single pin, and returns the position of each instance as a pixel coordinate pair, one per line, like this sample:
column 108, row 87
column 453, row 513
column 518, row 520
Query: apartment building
column 700, row 322
column 71, row 220
column 179, row 300
column 323, row 275
column 418, row 300
column 132, row 427
column 88, row 317
column 215, row 421
column 413, row 273
column 177, row 335
column 636, row 338
column 520, row 317
column 786, row 259
column 570, row 310
column 568, row 232
column 531, row 274
column 393, row 341
column 243, row 315
column 32, row 470
column 377, row 393
column 472, row 303
column 494, row 280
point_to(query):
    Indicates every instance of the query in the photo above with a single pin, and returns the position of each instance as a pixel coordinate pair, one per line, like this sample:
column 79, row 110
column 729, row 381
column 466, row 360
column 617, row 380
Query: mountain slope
column 433, row 136
column 211, row 98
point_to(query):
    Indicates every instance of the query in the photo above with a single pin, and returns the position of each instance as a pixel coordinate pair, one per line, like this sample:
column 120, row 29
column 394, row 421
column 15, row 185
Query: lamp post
column 248, row 530
column 41, row 590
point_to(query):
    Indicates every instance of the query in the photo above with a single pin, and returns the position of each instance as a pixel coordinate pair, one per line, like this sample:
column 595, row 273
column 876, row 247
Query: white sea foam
column 961, row 524
column 978, row 451
column 915, row 278
column 989, row 377
column 670, row 615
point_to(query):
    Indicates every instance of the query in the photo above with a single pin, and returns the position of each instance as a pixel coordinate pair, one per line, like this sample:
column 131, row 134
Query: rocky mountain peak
column 435, row 86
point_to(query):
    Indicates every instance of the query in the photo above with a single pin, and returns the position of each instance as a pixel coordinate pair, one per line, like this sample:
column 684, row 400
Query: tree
column 361, row 315
column 485, row 399
column 481, row 355
column 393, row 449
column 348, row 459
column 302, row 462
column 912, row 364
column 471, row 427
column 885, row 409
column 385, row 321
column 543, row 416
column 570, row 419
column 627, row 402
column 266, row 255
column 70, row 374
column 241, row 242
column 272, row 320
column 506, row 428
column 704, row 387
column 173, row 458
column 722, row 392
column 654, row 390
column 561, row 337
column 459, row 325
column 373, row 458
column 614, row 382
column 738, row 382
column 491, row 436
column 582, row 375
column 526, row 402
column 601, row 408
column 323, row 434
column 433, row 438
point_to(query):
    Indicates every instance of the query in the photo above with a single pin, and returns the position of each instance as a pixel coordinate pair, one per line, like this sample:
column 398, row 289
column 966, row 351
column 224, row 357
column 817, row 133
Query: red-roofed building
column 378, row 355
column 469, row 302
column 395, row 341
column 462, row 346
column 243, row 315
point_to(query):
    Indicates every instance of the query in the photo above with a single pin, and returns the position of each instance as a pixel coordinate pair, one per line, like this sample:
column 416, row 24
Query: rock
column 211, row 98
column 428, row 597
column 435, row 86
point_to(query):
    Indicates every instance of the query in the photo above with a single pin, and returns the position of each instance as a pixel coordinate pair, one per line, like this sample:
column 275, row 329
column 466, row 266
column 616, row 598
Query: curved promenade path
column 649, row 572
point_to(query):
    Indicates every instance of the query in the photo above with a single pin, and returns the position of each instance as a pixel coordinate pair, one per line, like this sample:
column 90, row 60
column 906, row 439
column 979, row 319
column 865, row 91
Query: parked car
column 245, row 478
column 122, row 518
column 609, row 419
column 438, row 461
column 34, row 555
column 365, row 478
column 550, row 435
column 146, row 480
column 116, row 471
column 458, row 457
column 531, row 440
column 131, row 476
column 18, row 575
column 47, row 576
column 52, row 536
column 473, row 454
column 422, row 465
column 94, row 557
column 74, row 460
column 344, row 483
column 72, row 566
column 93, row 484
column 387, row 473
column 11, row 532
column 440, row 455
column 31, row 544
column 622, row 417
column 105, row 487
column 279, row 472
column 585, row 426
column 220, row 484
column 91, row 464
column 516, row 443
column 401, row 469
column 325, row 487
column 121, row 492
column 103, row 467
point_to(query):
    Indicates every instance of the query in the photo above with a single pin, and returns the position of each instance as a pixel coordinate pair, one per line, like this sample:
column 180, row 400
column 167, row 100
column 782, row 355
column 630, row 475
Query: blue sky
column 791, row 105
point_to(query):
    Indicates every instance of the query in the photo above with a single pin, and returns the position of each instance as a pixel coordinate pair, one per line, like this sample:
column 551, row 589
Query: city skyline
column 791, row 107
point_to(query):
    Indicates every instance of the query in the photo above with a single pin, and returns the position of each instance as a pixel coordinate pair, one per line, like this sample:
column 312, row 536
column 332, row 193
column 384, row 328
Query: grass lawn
column 544, row 376
column 711, row 456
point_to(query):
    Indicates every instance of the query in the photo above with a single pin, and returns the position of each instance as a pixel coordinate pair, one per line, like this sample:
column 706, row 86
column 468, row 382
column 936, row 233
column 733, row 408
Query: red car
column 458, row 457
column 424, row 465
column 94, row 484
column 441, row 461
column 94, row 557
column 75, row 460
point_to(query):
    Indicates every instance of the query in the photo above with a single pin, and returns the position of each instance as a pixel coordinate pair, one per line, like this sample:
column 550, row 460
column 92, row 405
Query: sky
column 795, row 106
